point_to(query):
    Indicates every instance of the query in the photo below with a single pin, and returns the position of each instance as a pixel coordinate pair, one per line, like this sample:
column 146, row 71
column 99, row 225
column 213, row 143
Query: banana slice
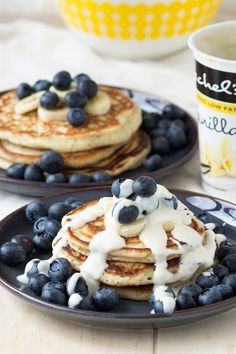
column 62, row 94
column 98, row 105
column 132, row 229
column 58, row 114
column 29, row 103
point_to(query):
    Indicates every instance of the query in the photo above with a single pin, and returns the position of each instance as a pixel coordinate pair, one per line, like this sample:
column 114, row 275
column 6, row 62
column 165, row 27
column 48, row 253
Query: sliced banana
column 29, row 103
column 58, row 114
column 62, row 94
column 98, row 105
column 132, row 229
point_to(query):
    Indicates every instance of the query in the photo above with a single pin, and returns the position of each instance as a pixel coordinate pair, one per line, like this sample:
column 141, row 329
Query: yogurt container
column 214, row 50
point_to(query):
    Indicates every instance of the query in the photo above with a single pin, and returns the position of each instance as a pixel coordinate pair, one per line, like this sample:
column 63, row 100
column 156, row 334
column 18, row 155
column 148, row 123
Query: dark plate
column 170, row 162
column 128, row 314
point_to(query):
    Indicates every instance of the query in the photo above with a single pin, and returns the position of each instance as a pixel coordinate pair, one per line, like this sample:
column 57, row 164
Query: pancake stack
column 109, row 141
column 165, row 245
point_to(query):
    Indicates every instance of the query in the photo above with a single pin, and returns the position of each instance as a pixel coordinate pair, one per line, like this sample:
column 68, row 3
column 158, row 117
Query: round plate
column 170, row 162
column 128, row 314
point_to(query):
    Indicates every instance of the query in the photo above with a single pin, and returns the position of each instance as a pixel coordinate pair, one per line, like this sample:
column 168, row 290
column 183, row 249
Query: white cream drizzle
column 74, row 300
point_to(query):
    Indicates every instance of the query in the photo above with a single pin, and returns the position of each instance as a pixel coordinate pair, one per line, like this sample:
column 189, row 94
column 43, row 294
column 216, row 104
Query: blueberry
column 153, row 162
column 128, row 214
column 55, row 285
column 165, row 304
column 185, row 301
column 158, row 306
column 35, row 210
column 81, row 77
column 41, row 85
column 33, row 173
column 34, row 268
column 105, row 299
column 100, row 176
column 52, row 227
column 51, row 162
column 25, row 242
column 39, row 225
column 12, row 253
column 76, row 117
column 163, row 124
column 88, row 88
column 49, row 100
column 226, row 248
column 171, row 111
column 42, row 242
column 144, row 187
column 76, row 205
column 150, row 121
column 62, row 80
column 161, row 145
column 122, row 187
column 77, row 284
column 23, row 90
column 156, row 133
column 219, row 228
column 56, row 178
column 207, row 281
column 54, row 296
column 205, row 218
column 176, row 137
column 70, row 200
column 231, row 280
column 160, row 292
column 226, row 291
column 84, row 304
column 192, row 290
column 36, row 283
column 79, row 178
column 230, row 262
column 75, row 100
column 210, row 296
column 59, row 270
column 178, row 122
column 58, row 210
column 16, row 170
column 220, row 271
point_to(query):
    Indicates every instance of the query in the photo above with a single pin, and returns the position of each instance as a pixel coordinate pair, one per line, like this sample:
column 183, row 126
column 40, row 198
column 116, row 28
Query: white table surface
column 30, row 49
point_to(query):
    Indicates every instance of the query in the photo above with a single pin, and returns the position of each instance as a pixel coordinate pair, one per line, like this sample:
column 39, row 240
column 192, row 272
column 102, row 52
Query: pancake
column 114, row 127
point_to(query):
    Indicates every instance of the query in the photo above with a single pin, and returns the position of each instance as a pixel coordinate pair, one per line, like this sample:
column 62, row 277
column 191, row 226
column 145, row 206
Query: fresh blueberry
column 79, row 178
column 35, row 210
column 70, row 200
column 12, row 253
column 16, row 170
column 33, row 173
column 36, row 283
column 58, row 210
column 24, row 241
column 88, row 88
column 231, row 280
column 55, row 285
column 76, row 205
column 59, row 270
column 205, row 218
column 158, row 306
column 76, row 117
column 62, row 80
column 52, row 227
column 100, row 176
column 54, row 296
column 163, row 124
column 150, row 121
column 144, row 187
column 85, row 304
column 23, row 90
column 156, row 133
column 192, row 290
column 178, row 122
column 159, row 292
column 153, row 162
column 220, row 271
column 128, row 214
column 122, row 188
column 207, row 280
column 210, row 296
column 226, row 291
column 77, row 284
column 49, row 100
column 176, row 137
column 226, row 248
column 41, row 85
column 34, row 268
column 56, row 178
column 75, row 100
column 42, row 242
column 81, row 77
column 219, row 228
column 230, row 262
column 39, row 225
column 185, row 301
column 105, row 299
column 161, row 145
column 51, row 162
column 171, row 111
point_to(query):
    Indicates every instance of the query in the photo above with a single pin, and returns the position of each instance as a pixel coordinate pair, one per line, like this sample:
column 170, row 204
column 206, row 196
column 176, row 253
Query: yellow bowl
column 135, row 29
